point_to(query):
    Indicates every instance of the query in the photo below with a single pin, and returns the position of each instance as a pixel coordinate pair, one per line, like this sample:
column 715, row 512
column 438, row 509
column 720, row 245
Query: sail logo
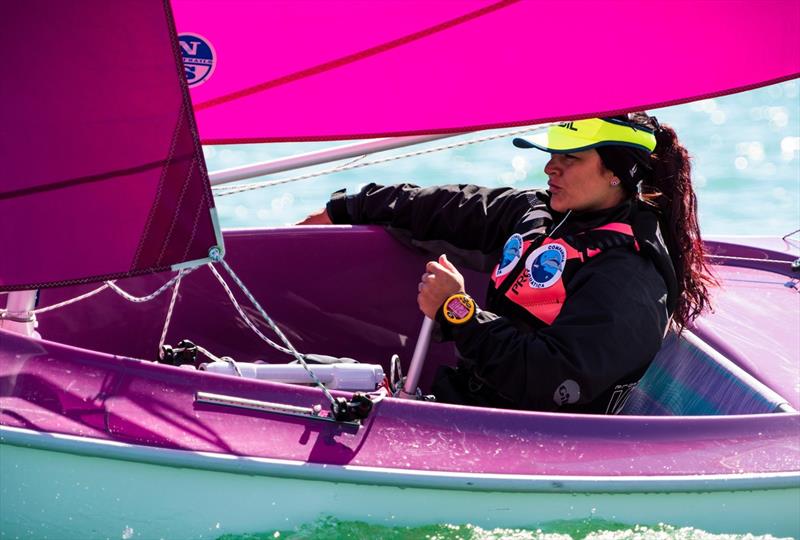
column 545, row 265
column 199, row 58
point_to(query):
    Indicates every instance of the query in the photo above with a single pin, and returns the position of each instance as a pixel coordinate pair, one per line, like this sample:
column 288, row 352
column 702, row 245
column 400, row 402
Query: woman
column 587, row 275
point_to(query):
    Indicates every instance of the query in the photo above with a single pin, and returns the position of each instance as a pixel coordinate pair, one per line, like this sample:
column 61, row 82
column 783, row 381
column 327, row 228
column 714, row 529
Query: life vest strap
column 536, row 287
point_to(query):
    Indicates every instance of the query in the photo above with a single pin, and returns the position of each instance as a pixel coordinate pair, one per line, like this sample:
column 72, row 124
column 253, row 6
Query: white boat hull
column 71, row 491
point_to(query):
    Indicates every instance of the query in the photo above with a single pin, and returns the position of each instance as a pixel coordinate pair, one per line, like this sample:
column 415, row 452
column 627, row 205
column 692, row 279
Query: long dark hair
column 669, row 190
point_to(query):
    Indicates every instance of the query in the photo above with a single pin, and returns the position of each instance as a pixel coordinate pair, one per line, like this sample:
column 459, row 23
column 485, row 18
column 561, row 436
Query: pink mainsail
column 102, row 172
column 288, row 70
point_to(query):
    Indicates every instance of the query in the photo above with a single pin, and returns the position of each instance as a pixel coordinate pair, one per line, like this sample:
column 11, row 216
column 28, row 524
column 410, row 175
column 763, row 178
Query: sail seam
column 178, row 210
column 497, row 125
column 73, row 182
column 355, row 57
column 157, row 200
column 197, row 215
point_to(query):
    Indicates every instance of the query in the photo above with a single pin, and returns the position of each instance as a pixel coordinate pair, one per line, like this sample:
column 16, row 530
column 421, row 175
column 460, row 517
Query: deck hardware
column 358, row 408
column 314, row 413
column 184, row 352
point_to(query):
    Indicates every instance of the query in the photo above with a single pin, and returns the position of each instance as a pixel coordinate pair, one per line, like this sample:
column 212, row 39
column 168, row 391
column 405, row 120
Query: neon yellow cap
column 581, row 135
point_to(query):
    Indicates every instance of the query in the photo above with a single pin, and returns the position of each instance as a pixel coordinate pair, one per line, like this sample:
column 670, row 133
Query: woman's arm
column 467, row 216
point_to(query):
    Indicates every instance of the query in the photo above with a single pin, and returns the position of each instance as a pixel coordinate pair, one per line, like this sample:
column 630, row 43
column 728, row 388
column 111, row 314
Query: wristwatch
column 458, row 309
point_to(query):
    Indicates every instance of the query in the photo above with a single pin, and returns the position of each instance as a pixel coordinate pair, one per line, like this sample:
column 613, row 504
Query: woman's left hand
column 440, row 281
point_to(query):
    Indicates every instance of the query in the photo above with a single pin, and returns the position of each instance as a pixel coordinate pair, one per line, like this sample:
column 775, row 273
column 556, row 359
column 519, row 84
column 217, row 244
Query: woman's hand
column 440, row 281
column 320, row 217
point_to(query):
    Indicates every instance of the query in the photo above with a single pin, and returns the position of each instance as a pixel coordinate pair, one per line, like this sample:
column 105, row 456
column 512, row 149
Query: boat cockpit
column 364, row 308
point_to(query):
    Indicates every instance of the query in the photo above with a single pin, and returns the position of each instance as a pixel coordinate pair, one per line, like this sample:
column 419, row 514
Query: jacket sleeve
column 466, row 216
column 610, row 326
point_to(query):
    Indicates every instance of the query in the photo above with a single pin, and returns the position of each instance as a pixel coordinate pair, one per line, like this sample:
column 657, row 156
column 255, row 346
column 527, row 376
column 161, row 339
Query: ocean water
column 330, row 529
column 745, row 149
column 746, row 163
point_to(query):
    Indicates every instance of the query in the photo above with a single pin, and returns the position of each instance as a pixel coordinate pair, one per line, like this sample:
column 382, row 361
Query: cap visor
column 559, row 142
column 537, row 140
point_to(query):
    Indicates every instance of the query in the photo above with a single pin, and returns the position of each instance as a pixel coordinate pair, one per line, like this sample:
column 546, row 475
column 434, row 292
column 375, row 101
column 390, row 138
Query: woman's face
column 578, row 181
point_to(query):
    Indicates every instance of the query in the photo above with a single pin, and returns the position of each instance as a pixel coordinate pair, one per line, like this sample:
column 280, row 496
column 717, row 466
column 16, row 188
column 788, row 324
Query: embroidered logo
column 568, row 392
column 512, row 251
column 199, row 58
column 545, row 265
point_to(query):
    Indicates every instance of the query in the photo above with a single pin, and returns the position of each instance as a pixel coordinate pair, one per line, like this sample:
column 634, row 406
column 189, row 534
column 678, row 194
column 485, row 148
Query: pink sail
column 102, row 172
column 288, row 70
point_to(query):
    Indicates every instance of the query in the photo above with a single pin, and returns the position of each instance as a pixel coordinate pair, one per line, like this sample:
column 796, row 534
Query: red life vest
column 531, row 272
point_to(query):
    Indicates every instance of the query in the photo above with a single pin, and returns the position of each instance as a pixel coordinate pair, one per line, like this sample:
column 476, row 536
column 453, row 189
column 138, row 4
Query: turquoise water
column 332, row 529
column 746, row 159
column 745, row 148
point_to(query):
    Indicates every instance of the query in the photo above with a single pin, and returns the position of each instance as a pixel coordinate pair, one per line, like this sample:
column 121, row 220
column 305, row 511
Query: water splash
column 586, row 529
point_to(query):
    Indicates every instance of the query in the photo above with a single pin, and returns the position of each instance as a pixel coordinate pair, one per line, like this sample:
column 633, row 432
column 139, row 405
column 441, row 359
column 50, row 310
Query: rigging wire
column 216, row 256
column 786, row 236
column 169, row 310
column 242, row 313
column 750, row 259
column 222, row 191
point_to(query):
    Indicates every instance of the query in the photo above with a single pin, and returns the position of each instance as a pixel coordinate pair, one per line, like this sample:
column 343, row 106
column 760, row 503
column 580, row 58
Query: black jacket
column 607, row 332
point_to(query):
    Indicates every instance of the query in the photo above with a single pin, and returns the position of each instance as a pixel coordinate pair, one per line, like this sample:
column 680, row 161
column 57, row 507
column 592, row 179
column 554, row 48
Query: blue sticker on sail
column 545, row 265
column 199, row 58
column 512, row 251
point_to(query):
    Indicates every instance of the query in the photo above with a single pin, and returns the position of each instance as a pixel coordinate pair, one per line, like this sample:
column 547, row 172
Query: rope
column 113, row 286
column 222, row 191
column 139, row 299
column 215, row 256
column 169, row 310
column 71, row 300
column 378, row 395
column 208, row 354
column 225, row 359
column 243, row 315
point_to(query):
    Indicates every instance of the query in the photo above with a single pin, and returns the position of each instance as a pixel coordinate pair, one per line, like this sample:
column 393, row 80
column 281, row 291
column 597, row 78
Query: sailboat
column 156, row 375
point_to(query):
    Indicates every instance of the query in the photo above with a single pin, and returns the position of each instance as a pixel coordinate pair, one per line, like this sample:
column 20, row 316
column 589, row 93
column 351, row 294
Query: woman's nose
column 550, row 168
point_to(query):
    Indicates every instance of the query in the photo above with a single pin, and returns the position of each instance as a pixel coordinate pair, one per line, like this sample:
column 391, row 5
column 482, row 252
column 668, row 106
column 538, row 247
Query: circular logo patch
column 199, row 58
column 568, row 392
column 512, row 251
column 545, row 265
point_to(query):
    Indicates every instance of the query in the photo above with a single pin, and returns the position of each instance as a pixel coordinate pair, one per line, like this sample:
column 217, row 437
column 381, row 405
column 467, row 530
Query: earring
column 615, row 182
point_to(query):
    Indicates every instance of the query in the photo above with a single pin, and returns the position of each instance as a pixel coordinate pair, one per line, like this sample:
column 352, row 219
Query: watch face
column 458, row 309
